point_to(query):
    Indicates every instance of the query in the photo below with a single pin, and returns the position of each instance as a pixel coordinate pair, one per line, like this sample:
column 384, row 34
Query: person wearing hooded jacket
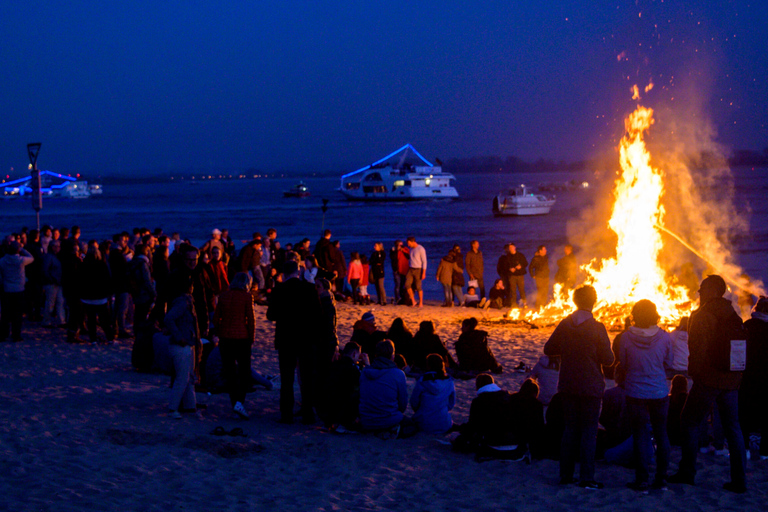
column 383, row 391
column 712, row 384
column 753, row 393
column 433, row 397
column 584, row 348
column 643, row 352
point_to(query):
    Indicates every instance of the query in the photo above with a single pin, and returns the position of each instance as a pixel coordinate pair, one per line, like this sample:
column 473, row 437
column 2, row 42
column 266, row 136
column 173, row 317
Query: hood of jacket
column 642, row 338
column 378, row 368
column 580, row 316
column 436, row 386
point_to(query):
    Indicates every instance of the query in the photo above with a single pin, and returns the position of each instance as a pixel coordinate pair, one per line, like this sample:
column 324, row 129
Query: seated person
column 546, row 372
column 472, row 299
column 339, row 395
column 433, row 397
column 365, row 334
column 472, row 350
column 384, row 394
column 427, row 342
column 496, row 295
column 402, row 337
column 528, row 414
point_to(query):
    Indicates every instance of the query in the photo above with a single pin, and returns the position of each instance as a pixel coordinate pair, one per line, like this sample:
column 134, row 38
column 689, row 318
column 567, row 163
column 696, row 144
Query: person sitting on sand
column 546, row 371
column 384, row 395
column 365, row 333
column 472, row 350
column 528, row 414
column 339, row 397
column 472, row 299
column 496, row 295
column 427, row 342
column 402, row 337
column 433, row 397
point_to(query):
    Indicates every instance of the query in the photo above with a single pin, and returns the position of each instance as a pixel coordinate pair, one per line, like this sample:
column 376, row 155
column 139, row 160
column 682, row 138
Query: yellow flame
column 637, row 218
column 635, row 92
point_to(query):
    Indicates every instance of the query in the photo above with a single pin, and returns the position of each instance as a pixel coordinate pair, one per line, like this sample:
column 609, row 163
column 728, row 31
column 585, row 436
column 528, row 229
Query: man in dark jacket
column 295, row 308
column 566, row 270
column 378, row 262
column 708, row 332
column 141, row 285
column 323, row 252
column 474, row 261
column 539, row 269
column 584, row 347
column 118, row 267
column 512, row 267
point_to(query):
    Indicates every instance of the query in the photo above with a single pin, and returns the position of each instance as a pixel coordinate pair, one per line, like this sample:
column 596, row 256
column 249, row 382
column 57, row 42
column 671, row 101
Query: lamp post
column 37, row 196
column 324, row 208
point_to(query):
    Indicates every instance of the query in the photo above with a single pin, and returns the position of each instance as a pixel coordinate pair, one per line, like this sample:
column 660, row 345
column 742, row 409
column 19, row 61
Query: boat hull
column 404, row 194
column 503, row 207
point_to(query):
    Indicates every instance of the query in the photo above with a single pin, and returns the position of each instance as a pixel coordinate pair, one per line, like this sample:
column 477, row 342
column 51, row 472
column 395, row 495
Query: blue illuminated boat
column 401, row 175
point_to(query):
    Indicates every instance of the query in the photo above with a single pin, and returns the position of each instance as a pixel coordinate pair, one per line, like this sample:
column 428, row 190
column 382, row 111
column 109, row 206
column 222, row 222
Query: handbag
column 472, row 283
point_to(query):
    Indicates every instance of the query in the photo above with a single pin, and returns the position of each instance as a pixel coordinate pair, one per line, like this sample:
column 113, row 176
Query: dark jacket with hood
column 383, row 395
column 583, row 346
column 704, row 329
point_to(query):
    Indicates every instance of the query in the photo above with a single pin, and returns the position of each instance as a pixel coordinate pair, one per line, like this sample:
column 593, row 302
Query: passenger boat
column 521, row 201
column 298, row 190
column 401, row 175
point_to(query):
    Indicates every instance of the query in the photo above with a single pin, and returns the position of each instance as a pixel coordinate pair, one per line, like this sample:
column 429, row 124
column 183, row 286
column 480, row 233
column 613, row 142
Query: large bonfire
column 637, row 219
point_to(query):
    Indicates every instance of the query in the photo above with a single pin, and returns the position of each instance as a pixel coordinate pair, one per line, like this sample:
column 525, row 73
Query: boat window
column 377, row 189
column 352, row 186
column 374, row 176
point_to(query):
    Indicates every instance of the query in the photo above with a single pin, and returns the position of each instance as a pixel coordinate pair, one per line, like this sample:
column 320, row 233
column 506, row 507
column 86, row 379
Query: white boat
column 401, row 175
column 521, row 201
column 75, row 190
column 96, row 189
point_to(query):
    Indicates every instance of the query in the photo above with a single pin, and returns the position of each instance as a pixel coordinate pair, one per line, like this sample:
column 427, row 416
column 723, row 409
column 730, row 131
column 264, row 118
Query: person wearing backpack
column 712, row 329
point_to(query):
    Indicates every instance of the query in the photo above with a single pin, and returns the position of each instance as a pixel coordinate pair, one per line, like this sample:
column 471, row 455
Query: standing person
column 118, row 267
column 70, row 286
column 394, row 261
column 709, row 334
column 539, row 270
column 12, row 277
column 323, row 252
column 644, row 351
column 512, row 267
column 457, row 277
column 474, row 263
column 753, row 393
column 295, row 308
column 141, row 285
column 339, row 264
column 214, row 241
column 182, row 326
column 235, row 325
column 417, row 271
column 584, row 348
column 33, row 290
column 53, row 310
column 95, row 290
column 377, row 262
column 566, row 270
column 445, row 277
column 355, row 275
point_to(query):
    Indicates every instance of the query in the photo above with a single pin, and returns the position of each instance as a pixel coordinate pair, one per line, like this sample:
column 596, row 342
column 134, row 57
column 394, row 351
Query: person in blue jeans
column 712, row 384
column 584, row 347
column 643, row 350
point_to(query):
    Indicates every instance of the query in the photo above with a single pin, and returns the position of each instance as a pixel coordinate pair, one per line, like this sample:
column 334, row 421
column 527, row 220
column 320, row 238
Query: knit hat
column 368, row 317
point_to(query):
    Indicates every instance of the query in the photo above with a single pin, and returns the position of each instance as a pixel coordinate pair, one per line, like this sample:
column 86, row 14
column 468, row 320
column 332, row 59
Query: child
column 362, row 289
column 471, row 299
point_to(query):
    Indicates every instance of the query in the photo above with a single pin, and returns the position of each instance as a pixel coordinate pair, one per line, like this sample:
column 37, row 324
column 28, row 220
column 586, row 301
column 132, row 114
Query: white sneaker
column 239, row 409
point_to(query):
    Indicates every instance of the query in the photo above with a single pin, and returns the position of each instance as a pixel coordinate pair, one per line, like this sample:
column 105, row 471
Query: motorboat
column 51, row 185
column 402, row 175
column 298, row 190
column 521, row 201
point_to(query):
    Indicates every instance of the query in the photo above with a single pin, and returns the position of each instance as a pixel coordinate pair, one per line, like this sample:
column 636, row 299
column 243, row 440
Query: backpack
column 729, row 350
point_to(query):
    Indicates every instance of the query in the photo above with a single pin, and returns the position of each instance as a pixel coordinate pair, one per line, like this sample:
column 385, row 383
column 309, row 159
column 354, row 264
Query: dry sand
column 81, row 430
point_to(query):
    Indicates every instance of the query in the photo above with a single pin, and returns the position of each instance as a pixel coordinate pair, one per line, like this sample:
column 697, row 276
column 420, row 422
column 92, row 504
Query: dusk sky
column 131, row 87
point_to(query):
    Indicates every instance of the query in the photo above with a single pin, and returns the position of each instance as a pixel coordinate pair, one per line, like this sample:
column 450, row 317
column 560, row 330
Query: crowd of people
column 202, row 300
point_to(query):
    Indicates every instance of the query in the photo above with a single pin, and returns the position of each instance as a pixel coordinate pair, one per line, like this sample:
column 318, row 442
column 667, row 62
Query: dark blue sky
column 123, row 87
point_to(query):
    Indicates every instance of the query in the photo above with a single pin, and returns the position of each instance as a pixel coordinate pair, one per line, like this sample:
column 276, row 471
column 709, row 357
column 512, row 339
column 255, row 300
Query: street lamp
column 37, row 196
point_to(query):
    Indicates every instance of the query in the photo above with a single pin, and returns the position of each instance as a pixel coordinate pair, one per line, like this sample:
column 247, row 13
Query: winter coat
column 377, row 263
column 94, row 279
column 51, row 269
column 383, row 395
column 431, row 400
column 584, row 347
column 12, row 275
column 473, row 353
column 643, row 353
column 474, row 262
column 234, row 318
column 539, row 267
column 445, row 270
column 181, row 322
column 703, row 329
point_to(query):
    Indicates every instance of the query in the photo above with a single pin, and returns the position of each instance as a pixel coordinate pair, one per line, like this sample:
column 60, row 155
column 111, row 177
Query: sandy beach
column 82, row 430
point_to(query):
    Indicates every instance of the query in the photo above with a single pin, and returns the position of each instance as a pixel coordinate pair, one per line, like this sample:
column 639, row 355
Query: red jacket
column 234, row 316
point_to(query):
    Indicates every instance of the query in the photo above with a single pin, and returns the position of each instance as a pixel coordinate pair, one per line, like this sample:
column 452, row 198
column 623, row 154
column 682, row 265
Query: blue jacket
column 643, row 354
column 383, row 395
column 431, row 400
